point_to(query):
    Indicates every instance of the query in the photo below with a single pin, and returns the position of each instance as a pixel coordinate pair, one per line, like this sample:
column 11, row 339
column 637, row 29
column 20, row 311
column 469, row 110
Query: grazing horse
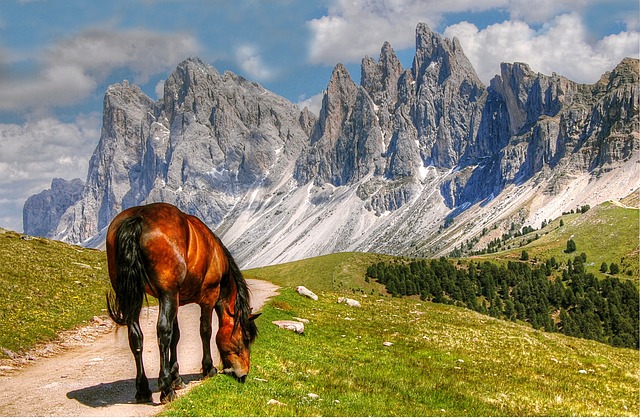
column 158, row 250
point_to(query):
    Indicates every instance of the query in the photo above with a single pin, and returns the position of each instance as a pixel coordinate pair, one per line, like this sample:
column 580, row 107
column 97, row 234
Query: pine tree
column 604, row 267
column 571, row 246
column 392, row 287
column 614, row 269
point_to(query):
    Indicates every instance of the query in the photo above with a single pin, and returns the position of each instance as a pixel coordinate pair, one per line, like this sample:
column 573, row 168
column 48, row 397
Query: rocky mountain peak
column 380, row 169
column 627, row 72
column 340, row 95
column 438, row 58
column 380, row 79
column 331, row 157
column 42, row 212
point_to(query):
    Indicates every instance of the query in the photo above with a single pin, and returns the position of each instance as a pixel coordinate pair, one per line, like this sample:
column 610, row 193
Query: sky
column 57, row 57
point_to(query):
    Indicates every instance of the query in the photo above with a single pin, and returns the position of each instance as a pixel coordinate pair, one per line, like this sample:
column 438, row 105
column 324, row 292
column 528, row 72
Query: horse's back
column 181, row 251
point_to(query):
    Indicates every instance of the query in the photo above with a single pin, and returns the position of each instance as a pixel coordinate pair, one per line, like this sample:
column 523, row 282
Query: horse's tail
column 242, row 312
column 131, row 277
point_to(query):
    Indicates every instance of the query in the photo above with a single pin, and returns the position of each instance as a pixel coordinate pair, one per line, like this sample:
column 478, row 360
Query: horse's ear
column 252, row 317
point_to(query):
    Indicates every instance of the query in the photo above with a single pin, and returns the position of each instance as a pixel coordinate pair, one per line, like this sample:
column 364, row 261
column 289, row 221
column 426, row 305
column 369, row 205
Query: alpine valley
column 412, row 161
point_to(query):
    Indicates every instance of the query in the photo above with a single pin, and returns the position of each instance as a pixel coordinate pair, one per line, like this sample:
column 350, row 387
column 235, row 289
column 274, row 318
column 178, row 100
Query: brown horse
column 158, row 250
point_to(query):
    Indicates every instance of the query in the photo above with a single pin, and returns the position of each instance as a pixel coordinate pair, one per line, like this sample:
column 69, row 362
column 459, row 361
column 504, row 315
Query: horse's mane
column 242, row 305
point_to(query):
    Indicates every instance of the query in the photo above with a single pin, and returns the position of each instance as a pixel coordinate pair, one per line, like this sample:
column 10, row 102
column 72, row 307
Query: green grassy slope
column 444, row 360
column 47, row 286
column 606, row 233
column 333, row 272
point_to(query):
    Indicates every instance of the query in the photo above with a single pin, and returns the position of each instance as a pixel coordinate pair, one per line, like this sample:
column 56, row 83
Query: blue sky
column 58, row 56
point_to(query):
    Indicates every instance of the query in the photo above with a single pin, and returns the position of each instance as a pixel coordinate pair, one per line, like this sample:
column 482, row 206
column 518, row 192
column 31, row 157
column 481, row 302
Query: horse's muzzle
column 239, row 377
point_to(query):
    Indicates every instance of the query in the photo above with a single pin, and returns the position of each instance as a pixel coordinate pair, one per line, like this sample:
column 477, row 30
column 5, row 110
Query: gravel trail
column 96, row 376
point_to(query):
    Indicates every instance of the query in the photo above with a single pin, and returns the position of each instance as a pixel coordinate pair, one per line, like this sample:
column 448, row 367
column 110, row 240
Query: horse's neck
column 227, row 302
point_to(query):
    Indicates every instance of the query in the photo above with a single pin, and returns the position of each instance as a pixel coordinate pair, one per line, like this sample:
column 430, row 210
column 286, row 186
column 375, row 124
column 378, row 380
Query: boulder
column 351, row 302
column 303, row 320
column 294, row 326
column 306, row 292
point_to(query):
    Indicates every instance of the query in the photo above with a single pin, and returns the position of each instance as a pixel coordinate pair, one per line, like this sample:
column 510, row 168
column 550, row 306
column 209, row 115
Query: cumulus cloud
column 144, row 52
column 251, row 62
column 352, row 29
column 37, row 151
column 65, row 73
column 543, row 10
column 313, row 103
column 71, row 69
column 59, row 85
column 563, row 46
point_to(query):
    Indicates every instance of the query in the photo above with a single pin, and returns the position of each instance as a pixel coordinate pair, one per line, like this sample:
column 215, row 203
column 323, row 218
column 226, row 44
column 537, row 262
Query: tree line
column 574, row 303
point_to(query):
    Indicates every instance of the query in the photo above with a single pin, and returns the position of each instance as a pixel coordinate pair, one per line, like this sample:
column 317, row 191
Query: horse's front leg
column 166, row 325
column 176, row 381
column 143, row 393
column 206, row 312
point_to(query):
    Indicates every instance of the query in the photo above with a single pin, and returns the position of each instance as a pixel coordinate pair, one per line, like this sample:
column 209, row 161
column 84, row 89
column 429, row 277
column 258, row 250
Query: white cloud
column 54, row 86
column 37, row 151
column 313, row 103
column 160, row 89
column 563, row 46
column 355, row 28
column 251, row 62
column 70, row 70
column 542, row 11
column 100, row 51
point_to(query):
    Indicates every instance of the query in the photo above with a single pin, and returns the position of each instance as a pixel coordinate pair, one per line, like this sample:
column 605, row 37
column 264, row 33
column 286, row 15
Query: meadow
column 606, row 233
column 47, row 287
column 442, row 361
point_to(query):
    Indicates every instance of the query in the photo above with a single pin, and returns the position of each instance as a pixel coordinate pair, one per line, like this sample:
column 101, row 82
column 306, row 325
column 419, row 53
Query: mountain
column 46, row 208
column 411, row 161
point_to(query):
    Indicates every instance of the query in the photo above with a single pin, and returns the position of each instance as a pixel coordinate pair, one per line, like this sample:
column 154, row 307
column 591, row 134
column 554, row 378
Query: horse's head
column 234, row 343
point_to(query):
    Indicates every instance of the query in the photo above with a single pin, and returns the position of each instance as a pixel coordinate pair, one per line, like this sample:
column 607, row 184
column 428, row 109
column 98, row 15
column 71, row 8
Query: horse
column 159, row 250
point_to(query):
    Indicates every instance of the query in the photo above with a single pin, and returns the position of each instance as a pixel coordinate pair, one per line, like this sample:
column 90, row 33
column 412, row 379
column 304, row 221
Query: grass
column 606, row 233
column 444, row 361
column 334, row 272
column 47, row 287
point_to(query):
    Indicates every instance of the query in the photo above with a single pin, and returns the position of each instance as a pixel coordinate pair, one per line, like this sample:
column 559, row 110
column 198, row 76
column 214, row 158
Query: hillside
column 605, row 233
column 340, row 272
column 47, row 287
column 443, row 360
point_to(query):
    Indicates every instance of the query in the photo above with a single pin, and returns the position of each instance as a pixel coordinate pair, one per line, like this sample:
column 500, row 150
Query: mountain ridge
column 380, row 169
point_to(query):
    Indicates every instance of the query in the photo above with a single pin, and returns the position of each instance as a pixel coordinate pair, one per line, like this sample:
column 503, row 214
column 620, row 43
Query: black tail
column 243, row 303
column 124, row 306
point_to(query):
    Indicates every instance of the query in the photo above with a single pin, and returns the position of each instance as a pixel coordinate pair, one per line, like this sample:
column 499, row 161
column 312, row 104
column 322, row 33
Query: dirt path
column 97, row 379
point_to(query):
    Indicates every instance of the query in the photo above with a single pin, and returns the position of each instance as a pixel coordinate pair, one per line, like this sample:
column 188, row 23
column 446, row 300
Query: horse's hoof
column 211, row 373
column 144, row 398
column 167, row 397
column 178, row 384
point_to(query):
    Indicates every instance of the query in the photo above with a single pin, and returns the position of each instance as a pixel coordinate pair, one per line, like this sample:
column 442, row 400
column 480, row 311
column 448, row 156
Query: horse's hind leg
column 177, row 382
column 143, row 393
column 166, row 321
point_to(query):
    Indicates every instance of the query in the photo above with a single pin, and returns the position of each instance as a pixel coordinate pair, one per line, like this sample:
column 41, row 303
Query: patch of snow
column 423, row 172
